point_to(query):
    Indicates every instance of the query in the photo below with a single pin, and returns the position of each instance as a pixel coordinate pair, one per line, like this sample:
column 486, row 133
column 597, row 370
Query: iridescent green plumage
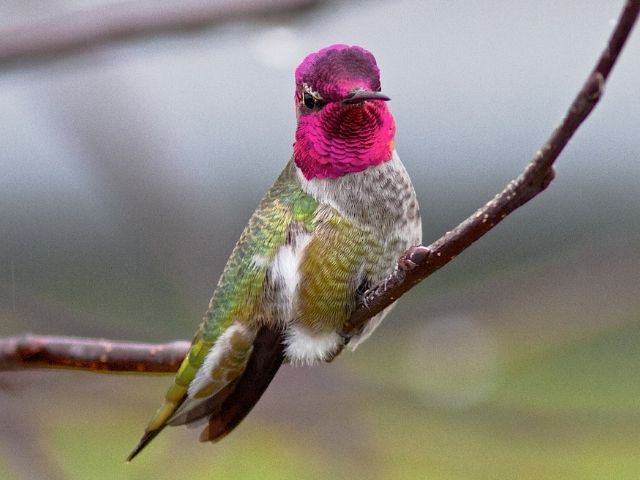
column 341, row 254
column 240, row 291
column 239, row 295
column 331, row 225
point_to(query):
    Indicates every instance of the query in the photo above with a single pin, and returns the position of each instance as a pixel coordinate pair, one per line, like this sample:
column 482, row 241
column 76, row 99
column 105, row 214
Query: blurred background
column 128, row 170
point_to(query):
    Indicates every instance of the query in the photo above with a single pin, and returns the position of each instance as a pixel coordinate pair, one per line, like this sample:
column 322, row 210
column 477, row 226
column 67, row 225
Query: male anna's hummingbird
column 332, row 225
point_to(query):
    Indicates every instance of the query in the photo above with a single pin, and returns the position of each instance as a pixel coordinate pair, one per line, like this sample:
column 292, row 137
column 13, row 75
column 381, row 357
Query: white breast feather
column 286, row 264
column 302, row 345
column 306, row 347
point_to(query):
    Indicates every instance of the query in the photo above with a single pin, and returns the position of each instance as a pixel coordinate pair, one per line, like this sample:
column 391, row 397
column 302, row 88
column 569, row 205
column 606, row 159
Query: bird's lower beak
column 359, row 96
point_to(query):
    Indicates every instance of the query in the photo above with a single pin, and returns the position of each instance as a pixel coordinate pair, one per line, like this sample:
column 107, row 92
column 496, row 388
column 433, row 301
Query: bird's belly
column 305, row 346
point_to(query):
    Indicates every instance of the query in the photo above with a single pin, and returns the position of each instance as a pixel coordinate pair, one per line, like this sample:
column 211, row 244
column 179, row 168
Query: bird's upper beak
column 360, row 95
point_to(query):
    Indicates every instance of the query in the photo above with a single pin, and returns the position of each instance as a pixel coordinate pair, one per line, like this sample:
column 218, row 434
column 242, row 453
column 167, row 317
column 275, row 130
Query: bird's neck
column 373, row 199
column 342, row 140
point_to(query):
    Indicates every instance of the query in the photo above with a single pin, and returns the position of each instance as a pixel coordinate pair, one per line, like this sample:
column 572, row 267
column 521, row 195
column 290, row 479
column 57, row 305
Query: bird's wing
column 337, row 264
column 225, row 410
column 244, row 300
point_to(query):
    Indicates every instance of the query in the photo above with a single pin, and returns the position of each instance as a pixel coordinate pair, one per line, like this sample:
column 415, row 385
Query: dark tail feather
column 235, row 401
column 146, row 438
column 229, row 406
column 149, row 435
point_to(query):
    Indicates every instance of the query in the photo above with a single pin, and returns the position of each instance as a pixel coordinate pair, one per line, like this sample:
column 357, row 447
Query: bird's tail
column 174, row 398
column 232, row 404
column 176, row 395
column 229, row 406
column 146, row 438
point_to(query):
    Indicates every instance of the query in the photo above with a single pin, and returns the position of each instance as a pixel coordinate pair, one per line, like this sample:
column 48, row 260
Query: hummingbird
column 332, row 225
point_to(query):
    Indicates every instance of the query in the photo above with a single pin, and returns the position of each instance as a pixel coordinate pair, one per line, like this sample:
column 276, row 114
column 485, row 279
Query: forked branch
column 414, row 265
column 419, row 262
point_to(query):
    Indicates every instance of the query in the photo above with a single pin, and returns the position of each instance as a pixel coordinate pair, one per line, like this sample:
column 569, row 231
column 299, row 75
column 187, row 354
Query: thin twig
column 419, row 262
column 124, row 20
column 414, row 265
column 97, row 355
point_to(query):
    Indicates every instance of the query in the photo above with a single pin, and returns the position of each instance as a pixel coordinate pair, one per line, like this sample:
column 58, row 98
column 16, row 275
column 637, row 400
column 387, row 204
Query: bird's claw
column 414, row 257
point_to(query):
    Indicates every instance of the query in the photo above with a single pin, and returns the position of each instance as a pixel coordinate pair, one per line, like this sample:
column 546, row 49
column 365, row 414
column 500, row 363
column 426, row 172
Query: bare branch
column 414, row 265
column 97, row 355
column 125, row 20
column 419, row 262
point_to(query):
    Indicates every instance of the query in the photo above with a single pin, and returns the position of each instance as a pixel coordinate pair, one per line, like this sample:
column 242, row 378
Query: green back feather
column 239, row 293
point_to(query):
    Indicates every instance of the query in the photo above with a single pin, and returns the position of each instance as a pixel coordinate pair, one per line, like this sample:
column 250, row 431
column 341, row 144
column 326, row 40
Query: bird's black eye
column 309, row 100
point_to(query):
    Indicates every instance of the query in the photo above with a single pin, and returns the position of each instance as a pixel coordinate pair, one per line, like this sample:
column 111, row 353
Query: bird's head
column 344, row 125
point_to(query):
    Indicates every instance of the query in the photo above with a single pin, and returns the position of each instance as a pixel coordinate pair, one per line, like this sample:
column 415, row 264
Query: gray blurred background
column 127, row 172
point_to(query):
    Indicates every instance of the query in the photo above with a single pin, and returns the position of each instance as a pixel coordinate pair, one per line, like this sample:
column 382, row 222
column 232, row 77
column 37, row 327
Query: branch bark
column 419, row 262
column 414, row 265
column 96, row 355
column 130, row 19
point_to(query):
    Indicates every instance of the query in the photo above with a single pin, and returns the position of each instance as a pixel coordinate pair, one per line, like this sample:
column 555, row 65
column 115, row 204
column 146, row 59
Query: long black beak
column 359, row 96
